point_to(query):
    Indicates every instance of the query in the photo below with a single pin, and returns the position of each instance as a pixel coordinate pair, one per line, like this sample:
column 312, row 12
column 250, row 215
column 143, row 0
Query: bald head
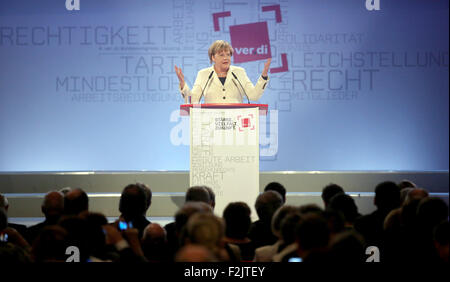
column 73, row 194
column 194, row 253
column 75, row 202
column 154, row 232
column 53, row 204
column 416, row 194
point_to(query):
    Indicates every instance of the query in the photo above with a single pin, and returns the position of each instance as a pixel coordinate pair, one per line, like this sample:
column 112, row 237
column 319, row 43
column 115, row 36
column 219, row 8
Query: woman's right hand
column 180, row 76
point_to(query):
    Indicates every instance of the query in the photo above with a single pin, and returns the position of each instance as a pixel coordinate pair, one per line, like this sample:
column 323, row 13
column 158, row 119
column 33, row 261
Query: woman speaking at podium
column 222, row 82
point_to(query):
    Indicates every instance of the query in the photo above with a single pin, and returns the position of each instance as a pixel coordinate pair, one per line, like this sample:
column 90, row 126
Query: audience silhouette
column 407, row 226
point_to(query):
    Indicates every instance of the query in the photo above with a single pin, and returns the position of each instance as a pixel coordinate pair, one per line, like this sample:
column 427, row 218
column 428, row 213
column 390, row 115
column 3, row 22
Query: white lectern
column 224, row 150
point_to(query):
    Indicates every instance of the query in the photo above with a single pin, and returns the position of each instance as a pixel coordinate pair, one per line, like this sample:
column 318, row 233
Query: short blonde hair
column 206, row 229
column 217, row 47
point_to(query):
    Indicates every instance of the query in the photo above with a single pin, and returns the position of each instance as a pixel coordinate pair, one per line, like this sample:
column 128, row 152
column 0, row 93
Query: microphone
column 241, row 86
column 209, row 77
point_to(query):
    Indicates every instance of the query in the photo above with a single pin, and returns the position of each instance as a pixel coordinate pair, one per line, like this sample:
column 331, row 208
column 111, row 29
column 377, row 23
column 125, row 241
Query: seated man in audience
column 266, row 253
column 198, row 194
column 208, row 230
column 154, row 243
column 261, row 230
column 313, row 235
column 400, row 227
column 277, row 187
column 431, row 212
column 393, row 220
column 289, row 246
column 52, row 208
column 133, row 205
column 348, row 248
column 19, row 227
column 179, row 226
column 237, row 223
column 387, row 198
column 345, row 204
column 193, row 194
column 329, row 192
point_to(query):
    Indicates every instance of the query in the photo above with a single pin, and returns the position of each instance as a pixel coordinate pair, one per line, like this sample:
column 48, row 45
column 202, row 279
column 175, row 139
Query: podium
column 224, row 151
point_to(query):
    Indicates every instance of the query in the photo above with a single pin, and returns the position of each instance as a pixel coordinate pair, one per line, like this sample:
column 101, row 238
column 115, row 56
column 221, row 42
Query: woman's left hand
column 266, row 67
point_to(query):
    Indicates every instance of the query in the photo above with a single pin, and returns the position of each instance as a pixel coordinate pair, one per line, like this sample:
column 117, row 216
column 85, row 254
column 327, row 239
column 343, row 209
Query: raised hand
column 113, row 235
column 266, row 67
column 180, row 76
column 15, row 238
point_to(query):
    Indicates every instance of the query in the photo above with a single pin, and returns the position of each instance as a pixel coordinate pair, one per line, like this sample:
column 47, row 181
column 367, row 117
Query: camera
column 295, row 260
column 125, row 225
column 4, row 237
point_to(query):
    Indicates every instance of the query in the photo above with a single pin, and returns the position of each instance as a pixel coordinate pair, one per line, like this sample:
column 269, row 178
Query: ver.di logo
column 251, row 41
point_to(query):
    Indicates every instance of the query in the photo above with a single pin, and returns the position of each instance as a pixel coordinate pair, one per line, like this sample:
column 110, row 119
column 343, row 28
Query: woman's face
column 222, row 59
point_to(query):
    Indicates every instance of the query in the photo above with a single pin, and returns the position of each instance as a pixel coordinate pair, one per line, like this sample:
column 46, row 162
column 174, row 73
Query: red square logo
column 245, row 122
